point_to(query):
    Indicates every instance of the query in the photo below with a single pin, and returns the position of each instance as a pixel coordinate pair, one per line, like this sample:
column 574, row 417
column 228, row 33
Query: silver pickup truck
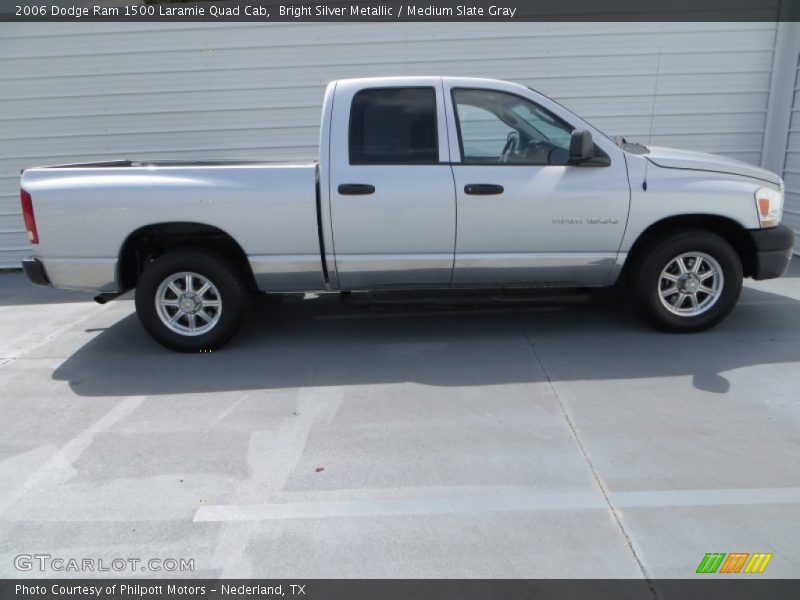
column 422, row 182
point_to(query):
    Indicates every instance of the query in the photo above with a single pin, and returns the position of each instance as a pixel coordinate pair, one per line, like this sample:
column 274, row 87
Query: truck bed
column 86, row 211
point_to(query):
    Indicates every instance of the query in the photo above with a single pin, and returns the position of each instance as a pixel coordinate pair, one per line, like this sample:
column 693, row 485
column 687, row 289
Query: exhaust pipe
column 106, row 297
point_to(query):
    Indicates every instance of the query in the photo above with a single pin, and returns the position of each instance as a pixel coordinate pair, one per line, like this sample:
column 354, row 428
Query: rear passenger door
column 393, row 206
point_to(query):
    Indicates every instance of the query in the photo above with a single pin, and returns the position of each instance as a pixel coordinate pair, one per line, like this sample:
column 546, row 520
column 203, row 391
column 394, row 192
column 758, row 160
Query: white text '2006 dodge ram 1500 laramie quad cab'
column 421, row 183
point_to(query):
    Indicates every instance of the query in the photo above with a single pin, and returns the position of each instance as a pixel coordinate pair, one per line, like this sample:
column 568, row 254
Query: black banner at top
column 408, row 11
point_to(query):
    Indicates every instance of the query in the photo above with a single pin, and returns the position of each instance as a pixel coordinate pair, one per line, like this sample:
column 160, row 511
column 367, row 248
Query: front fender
column 672, row 193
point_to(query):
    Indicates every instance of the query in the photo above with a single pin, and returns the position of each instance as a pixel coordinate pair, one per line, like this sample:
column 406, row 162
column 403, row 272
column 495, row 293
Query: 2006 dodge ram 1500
column 422, row 182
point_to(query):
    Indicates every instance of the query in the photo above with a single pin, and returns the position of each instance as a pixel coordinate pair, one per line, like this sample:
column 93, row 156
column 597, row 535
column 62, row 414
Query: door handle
column 356, row 189
column 483, row 189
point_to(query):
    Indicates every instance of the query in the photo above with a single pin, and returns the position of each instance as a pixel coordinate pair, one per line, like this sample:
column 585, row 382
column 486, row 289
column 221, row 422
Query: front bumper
column 34, row 269
column 773, row 251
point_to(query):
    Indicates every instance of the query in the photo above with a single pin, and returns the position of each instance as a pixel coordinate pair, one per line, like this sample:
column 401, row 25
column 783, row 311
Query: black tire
column 216, row 269
column 647, row 285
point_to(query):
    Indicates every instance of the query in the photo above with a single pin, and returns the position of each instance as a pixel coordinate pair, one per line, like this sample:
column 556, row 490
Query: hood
column 672, row 158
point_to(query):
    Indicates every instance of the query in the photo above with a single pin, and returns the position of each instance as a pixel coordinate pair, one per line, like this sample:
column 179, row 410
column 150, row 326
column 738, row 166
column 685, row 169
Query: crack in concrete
column 595, row 474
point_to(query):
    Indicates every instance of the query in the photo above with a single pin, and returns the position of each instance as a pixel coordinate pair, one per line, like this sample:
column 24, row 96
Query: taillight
column 27, row 214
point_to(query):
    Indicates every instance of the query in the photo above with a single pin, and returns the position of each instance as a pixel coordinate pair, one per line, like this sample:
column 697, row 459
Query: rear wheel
column 688, row 281
column 191, row 300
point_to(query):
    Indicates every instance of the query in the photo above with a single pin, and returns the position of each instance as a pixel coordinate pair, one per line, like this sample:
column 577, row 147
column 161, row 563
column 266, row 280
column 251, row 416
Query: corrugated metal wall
column 75, row 92
column 791, row 170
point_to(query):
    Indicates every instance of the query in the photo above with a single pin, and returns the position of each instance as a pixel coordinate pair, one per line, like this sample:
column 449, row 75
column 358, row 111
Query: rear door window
column 393, row 126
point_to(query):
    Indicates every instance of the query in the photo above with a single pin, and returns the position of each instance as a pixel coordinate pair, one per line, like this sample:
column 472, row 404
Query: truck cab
column 436, row 181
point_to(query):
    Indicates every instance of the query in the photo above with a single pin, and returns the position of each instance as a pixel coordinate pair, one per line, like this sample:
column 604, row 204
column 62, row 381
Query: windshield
column 609, row 138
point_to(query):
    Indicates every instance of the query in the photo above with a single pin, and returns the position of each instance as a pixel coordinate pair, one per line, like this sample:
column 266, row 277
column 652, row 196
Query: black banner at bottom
column 401, row 589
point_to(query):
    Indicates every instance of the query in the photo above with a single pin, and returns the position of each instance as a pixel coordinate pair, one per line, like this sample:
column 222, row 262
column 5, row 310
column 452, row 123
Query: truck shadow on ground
column 291, row 343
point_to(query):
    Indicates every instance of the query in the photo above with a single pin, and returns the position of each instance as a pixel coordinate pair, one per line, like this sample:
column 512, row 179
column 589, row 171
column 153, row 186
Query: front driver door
column 393, row 205
column 525, row 215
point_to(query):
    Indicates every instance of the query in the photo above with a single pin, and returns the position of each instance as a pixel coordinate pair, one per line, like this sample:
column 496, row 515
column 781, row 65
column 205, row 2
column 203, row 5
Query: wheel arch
column 153, row 240
column 728, row 229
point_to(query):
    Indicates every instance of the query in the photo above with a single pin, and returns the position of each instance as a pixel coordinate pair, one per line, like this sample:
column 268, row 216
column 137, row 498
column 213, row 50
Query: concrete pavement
column 543, row 439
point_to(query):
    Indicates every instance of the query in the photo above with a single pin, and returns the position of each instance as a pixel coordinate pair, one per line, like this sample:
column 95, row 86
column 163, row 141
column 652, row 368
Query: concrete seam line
column 521, row 500
column 615, row 515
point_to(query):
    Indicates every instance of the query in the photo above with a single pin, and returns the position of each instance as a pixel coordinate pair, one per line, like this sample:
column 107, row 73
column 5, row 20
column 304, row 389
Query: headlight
column 769, row 204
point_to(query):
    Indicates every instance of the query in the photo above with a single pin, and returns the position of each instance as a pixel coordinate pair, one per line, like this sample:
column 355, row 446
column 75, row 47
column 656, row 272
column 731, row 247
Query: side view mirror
column 581, row 146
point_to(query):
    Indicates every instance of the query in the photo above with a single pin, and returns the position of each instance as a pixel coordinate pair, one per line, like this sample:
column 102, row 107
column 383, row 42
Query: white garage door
column 84, row 91
column 791, row 171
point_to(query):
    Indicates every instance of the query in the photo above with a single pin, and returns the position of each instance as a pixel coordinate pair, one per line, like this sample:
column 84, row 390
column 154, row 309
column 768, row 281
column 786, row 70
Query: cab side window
column 393, row 126
column 498, row 127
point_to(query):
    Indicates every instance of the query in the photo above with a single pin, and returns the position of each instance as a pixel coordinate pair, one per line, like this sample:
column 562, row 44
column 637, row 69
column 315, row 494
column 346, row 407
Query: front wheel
column 688, row 281
column 190, row 300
